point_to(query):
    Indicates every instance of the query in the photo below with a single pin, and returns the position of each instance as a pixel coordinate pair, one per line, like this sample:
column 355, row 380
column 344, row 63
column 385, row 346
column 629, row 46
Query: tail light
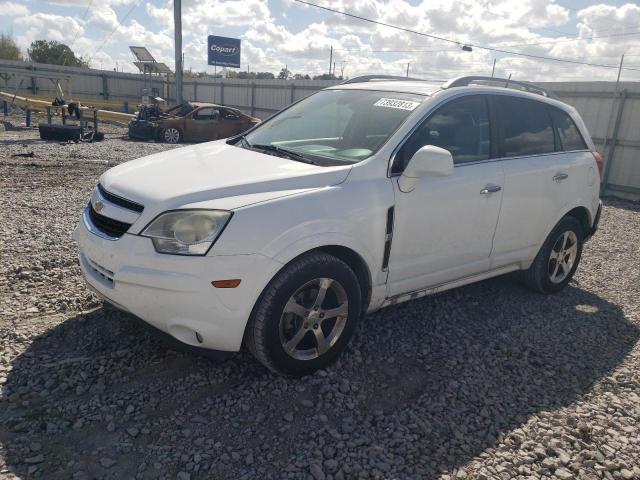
column 599, row 162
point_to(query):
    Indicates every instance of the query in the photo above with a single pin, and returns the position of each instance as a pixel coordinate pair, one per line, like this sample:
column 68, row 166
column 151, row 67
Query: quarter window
column 526, row 127
column 460, row 126
column 568, row 133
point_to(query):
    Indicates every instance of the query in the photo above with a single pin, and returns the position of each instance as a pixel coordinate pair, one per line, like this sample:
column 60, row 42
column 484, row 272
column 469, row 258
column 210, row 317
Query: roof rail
column 507, row 83
column 370, row 78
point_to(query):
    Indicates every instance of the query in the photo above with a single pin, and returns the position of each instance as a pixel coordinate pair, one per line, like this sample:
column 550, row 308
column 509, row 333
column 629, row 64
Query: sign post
column 223, row 51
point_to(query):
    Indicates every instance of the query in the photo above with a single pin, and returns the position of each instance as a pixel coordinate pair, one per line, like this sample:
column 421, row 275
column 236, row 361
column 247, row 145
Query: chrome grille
column 113, row 228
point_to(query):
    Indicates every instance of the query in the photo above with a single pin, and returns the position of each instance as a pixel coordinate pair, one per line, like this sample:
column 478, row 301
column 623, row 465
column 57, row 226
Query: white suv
column 363, row 195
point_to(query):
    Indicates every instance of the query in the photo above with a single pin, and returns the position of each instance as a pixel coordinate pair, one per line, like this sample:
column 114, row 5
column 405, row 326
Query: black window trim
column 500, row 126
column 494, row 128
column 428, row 115
column 560, row 148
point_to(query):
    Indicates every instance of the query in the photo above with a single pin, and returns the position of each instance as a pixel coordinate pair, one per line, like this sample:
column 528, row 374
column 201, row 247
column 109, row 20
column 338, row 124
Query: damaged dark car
column 189, row 122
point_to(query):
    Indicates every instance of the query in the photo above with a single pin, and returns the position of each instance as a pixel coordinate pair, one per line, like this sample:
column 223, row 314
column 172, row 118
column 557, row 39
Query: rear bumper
column 174, row 293
column 596, row 221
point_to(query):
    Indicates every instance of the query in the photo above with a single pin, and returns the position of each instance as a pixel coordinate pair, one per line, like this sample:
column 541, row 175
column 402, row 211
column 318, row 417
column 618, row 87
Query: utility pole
column 330, row 59
column 408, row 64
column 177, row 29
column 493, row 70
column 606, row 135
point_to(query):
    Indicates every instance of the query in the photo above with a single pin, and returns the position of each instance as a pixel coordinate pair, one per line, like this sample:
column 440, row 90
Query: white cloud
column 270, row 40
column 45, row 26
column 11, row 9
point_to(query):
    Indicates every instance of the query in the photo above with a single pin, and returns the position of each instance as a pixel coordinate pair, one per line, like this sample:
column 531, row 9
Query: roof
column 427, row 87
column 420, row 88
column 204, row 104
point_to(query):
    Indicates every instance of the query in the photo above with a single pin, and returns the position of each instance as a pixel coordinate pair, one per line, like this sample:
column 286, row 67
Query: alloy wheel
column 562, row 257
column 313, row 319
column 172, row 135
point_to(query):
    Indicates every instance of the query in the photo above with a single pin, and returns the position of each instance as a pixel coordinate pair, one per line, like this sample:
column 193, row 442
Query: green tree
column 327, row 76
column 265, row 75
column 55, row 53
column 284, row 74
column 8, row 48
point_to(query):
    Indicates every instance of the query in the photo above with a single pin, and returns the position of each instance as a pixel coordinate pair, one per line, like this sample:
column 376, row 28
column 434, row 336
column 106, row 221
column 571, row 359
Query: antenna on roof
column 508, row 80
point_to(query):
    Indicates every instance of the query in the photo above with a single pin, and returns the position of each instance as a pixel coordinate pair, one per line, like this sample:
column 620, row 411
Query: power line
column 547, row 42
column 133, row 7
column 456, row 42
column 75, row 37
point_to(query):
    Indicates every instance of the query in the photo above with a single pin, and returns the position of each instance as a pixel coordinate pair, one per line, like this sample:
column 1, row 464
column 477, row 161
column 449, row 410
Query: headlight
column 186, row 232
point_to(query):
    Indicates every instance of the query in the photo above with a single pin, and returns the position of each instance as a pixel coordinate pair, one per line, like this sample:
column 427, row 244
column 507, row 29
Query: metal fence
column 260, row 98
column 612, row 113
column 612, row 116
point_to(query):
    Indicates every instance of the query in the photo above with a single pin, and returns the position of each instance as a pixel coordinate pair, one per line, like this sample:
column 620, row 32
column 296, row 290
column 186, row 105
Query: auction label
column 394, row 103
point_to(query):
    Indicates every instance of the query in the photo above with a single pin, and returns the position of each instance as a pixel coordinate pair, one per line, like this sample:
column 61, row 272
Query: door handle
column 490, row 189
column 560, row 177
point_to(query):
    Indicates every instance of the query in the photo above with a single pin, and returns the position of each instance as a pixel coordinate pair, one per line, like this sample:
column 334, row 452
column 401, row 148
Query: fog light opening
column 199, row 338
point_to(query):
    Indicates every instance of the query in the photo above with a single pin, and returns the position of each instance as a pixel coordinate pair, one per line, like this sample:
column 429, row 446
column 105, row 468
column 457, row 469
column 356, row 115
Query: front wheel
column 558, row 259
column 171, row 135
column 306, row 315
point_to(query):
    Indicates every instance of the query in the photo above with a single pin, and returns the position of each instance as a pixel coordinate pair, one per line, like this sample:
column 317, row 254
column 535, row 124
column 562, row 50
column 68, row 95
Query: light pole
column 177, row 28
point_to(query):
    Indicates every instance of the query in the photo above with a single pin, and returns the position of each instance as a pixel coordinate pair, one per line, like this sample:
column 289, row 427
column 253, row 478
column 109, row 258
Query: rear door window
column 568, row 133
column 461, row 126
column 526, row 127
column 207, row 113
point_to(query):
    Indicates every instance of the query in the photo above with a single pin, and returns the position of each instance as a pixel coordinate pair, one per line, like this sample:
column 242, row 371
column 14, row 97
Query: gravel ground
column 490, row 381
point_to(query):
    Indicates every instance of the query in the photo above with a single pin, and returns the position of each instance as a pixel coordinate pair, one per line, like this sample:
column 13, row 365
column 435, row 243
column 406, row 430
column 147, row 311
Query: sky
column 276, row 33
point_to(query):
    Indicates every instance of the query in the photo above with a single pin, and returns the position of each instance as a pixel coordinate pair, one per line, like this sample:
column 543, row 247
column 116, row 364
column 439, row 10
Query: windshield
column 334, row 127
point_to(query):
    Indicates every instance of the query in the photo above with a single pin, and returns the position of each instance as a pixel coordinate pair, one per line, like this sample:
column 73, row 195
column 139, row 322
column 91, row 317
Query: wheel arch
column 357, row 264
column 581, row 214
column 349, row 256
column 353, row 259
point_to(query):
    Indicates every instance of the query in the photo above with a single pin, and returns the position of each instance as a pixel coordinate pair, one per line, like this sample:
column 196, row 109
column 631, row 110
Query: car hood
column 232, row 176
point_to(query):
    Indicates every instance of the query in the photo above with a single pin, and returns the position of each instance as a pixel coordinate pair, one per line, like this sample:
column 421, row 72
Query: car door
column 202, row 125
column 231, row 123
column 443, row 229
column 534, row 177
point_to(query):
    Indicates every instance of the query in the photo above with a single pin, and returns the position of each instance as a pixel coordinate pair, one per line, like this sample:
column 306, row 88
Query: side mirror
column 428, row 161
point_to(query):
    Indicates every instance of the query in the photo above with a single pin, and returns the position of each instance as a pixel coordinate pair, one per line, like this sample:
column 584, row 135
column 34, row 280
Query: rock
column 563, row 474
column 107, row 462
column 316, row 471
column 627, row 474
column 35, row 459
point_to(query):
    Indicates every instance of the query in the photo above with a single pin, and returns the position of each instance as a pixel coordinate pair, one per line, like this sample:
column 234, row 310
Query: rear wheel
column 305, row 316
column 558, row 259
column 171, row 135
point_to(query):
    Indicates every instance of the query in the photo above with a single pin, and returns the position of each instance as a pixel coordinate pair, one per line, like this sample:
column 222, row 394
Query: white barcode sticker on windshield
column 394, row 103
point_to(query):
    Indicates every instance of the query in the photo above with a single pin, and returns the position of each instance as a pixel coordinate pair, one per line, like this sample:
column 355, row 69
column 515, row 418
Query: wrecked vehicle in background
column 189, row 122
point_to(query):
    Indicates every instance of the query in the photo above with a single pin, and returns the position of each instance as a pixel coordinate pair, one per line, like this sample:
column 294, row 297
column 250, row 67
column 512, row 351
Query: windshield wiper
column 243, row 139
column 285, row 153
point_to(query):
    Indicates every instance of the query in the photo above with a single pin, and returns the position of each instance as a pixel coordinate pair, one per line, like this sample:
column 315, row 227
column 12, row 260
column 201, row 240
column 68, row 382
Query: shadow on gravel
column 425, row 387
column 25, row 141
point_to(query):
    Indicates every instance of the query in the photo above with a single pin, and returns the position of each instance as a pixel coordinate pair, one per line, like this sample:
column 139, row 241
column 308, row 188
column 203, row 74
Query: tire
column 171, row 135
column 284, row 330
column 547, row 274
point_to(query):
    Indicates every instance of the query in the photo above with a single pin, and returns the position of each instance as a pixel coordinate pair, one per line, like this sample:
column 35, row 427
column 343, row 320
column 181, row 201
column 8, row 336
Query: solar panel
column 162, row 68
column 142, row 54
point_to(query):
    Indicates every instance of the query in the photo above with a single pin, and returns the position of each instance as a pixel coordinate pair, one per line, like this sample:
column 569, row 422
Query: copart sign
column 224, row 51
